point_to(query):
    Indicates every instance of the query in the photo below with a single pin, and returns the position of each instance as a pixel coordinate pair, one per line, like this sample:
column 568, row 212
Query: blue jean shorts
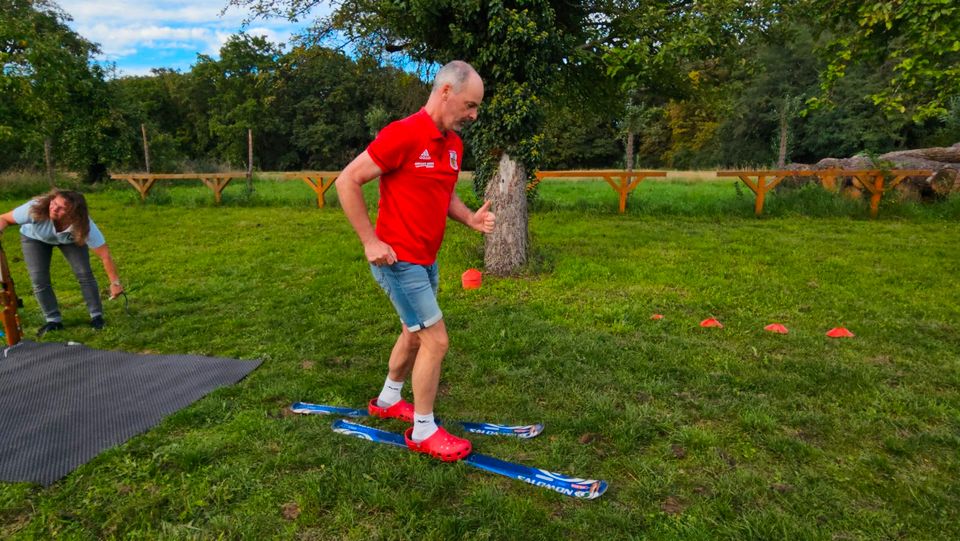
column 412, row 289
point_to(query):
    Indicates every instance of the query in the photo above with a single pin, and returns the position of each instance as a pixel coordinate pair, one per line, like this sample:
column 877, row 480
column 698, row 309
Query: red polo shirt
column 420, row 167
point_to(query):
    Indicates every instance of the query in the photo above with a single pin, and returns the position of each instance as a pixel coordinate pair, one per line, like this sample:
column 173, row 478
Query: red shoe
column 441, row 444
column 402, row 410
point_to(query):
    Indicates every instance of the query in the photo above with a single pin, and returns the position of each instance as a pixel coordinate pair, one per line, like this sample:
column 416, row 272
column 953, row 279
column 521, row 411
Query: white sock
column 423, row 427
column 390, row 394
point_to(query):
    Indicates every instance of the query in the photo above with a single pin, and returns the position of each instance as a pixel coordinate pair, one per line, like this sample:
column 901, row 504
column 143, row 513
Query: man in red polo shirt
column 418, row 160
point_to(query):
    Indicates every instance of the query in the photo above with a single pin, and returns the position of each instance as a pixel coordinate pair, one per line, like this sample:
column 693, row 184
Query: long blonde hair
column 77, row 216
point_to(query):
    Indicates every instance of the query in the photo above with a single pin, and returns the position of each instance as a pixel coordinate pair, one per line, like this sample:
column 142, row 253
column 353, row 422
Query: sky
column 141, row 35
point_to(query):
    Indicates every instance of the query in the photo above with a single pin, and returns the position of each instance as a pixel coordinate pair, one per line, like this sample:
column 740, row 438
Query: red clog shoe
column 402, row 410
column 441, row 444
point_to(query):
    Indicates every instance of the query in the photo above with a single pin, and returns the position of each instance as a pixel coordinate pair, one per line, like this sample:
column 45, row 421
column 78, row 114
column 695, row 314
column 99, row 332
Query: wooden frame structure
column 873, row 180
column 622, row 182
column 319, row 182
column 144, row 181
column 765, row 181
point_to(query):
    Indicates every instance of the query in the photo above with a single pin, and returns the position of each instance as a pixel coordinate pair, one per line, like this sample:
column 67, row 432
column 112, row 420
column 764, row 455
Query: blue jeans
column 412, row 289
column 38, row 254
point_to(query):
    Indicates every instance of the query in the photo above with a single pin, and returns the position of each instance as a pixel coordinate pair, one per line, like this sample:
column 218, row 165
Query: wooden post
column 761, row 186
column 48, row 157
column 828, row 179
column 761, row 195
column 146, row 147
column 249, row 161
column 876, row 195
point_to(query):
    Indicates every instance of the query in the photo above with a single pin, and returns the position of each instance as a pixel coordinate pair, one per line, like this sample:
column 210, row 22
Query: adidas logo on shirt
column 425, row 155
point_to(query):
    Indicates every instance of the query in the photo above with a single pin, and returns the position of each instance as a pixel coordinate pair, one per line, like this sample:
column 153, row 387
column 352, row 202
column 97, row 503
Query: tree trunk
column 506, row 247
column 249, row 161
column 936, row 154
column 944, row 162
column 784, row 132
column 48, row 157
column 146, row 147
column 630, row 138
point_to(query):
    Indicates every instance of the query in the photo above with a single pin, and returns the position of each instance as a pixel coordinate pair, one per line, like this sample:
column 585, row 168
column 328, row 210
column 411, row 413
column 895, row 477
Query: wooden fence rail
column 622, row 182
column 760, row 182
column 873, row 180
column 144, row 181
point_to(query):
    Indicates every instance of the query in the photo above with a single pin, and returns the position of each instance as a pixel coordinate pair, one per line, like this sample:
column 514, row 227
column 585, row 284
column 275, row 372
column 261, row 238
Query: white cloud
column 134, row 34
column 178, row 11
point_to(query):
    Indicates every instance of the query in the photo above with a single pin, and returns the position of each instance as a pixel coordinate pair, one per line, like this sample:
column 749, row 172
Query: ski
column 568, row 486
column 488, row 429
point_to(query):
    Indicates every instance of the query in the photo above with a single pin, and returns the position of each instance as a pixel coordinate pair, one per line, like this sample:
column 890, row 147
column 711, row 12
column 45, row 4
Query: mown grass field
column 730, row 433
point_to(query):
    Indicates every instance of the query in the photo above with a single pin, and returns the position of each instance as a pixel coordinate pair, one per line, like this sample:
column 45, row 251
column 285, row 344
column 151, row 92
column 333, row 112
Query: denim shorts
column 412, row 289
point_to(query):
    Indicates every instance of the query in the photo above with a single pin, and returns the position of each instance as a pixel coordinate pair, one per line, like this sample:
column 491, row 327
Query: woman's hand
column 116, row 288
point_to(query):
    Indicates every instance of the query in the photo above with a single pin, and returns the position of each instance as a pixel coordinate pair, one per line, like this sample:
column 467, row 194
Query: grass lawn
column 731, row 433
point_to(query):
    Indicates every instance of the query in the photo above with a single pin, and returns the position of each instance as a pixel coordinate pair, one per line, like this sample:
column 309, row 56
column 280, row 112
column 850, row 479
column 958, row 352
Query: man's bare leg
column 402, row 357
column 426, row 378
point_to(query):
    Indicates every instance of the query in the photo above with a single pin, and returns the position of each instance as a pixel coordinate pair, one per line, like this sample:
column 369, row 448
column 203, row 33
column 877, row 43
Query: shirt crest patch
column 453, row 161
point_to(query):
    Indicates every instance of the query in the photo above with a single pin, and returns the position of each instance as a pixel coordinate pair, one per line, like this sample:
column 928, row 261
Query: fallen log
column 944, row 162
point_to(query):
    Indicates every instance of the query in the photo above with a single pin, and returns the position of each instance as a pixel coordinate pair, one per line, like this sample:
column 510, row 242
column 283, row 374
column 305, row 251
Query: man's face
column 58, row 208
column 461, row 108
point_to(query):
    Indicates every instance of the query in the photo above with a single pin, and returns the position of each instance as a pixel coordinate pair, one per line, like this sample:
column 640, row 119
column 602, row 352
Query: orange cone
column 839, row 332
column 471, row 279
column 776, row 327
column 711, row 322
column 656, row 316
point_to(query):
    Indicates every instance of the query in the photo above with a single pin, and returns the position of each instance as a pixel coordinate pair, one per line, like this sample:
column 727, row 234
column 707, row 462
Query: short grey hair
column 455, row 74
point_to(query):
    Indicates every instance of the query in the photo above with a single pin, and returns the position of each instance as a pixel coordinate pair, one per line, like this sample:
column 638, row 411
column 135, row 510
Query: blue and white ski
column 568, row 486
column 489, row 429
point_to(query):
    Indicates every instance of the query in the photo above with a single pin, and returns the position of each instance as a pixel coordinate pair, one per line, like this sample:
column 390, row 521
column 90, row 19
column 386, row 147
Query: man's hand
column 483, row 220
column 379, row 253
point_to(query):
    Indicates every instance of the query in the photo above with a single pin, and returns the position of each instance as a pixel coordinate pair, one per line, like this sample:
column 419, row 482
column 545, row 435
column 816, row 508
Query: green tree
column 851, row 124
column 53, row 95
column 778, row 73
column 325, row 99
column 578, row 138
column 157, row 102
column 240, row 89
column 677, row 58
column 915, row 43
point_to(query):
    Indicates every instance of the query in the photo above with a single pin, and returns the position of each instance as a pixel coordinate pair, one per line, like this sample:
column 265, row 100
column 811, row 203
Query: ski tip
column 343, row 423
column 518, row 431
column 585, row 489
column 349, row 429
column 299, row 407
column 322, row 409
column 533, row 432
column 601, row 488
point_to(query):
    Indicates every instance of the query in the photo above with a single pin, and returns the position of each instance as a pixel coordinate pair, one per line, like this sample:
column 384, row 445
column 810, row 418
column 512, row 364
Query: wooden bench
column 874, row 180
column 319, row 181
column 144, row 181
column 622, row 182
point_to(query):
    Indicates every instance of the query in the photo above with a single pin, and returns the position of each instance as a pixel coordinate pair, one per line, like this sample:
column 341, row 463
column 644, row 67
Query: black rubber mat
column 61, row 405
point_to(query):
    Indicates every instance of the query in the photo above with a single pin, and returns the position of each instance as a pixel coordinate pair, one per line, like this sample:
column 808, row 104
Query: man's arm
column 482, row 220
column 350, row 191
